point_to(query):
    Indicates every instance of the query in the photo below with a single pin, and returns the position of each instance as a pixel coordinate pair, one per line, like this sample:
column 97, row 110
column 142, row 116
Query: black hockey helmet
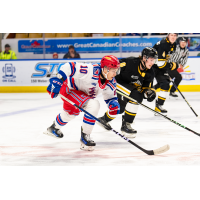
column 150, row 53
column 172, row 33
column 182, row 39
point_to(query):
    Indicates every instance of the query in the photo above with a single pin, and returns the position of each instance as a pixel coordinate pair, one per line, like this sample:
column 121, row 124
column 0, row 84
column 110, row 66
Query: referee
column 180, row 56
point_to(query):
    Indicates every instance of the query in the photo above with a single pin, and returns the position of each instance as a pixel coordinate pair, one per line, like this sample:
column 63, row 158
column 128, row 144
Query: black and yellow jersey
column 131, row 73
column 165, row 49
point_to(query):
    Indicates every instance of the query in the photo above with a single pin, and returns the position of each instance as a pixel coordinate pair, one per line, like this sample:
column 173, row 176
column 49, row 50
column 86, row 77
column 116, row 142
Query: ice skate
column 53, row 132
column 103, row 120
column 127, row 130
column 160, row 109
column 86, row 143
column 173, row 95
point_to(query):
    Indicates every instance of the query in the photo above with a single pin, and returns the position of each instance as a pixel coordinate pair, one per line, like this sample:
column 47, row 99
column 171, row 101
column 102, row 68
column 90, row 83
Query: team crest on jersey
column 97, row 71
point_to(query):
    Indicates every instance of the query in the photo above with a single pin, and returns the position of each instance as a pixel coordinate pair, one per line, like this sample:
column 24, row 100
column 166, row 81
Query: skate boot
column 160, row 109
column 127, row 130
column 54, row 132
column 86, row 143
column 103, row 120
column 172, row 94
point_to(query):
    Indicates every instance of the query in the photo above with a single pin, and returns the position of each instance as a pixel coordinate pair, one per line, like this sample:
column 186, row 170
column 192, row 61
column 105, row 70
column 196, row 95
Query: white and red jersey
column 85, row 77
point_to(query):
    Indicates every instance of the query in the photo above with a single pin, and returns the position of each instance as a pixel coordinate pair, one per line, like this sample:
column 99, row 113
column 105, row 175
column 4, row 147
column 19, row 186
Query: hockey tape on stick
column 149, row 152
column 119, row 92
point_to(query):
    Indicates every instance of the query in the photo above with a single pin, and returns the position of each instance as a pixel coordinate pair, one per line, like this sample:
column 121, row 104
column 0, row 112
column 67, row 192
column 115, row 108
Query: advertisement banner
column 90, row 45
column 191, row 72
column 38, row 72
column 31, row 73
column 194, row 44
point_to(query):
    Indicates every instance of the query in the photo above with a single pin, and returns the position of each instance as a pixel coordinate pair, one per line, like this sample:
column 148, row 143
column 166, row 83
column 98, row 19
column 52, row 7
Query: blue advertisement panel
column 88, row 45
column 194, row 44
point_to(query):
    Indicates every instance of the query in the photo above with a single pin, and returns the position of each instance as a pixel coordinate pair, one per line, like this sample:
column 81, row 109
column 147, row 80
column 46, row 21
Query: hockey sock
column 108, row 118
column 162, row 96
column 131, row 111
column 60, row 121
column 92, row 106
column 156, row 86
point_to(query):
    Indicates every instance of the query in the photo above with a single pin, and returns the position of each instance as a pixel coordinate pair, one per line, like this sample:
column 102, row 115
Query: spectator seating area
column 60, row 35
column 64, row 35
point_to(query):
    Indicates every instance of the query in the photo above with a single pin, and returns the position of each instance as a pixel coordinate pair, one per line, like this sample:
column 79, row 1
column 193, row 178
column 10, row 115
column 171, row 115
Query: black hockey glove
column 149, row 94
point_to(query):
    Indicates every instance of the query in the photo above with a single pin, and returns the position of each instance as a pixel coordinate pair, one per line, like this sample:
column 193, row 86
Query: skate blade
column 174, row 98
column 86, row 148
column 50, row 134
column 133, row 135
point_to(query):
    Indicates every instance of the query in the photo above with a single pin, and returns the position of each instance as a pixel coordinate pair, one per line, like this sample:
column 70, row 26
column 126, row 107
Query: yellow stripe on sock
column 164, row 90
column 109, row 116
column 162, row 98
column 133, row 114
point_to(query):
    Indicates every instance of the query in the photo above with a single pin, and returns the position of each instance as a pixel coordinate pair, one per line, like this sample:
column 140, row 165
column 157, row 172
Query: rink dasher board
column 31, row 75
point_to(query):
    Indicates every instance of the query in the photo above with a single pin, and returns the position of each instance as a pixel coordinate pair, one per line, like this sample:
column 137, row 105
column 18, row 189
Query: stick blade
column 161, row 149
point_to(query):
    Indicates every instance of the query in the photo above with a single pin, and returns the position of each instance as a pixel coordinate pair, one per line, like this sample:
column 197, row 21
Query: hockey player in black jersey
column 165, row 49
column 135, row 80
column 180, row 57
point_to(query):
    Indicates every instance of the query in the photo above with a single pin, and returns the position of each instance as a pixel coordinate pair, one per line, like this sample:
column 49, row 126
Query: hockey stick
column 149, row 152
column 183, row 97
column 119, row 92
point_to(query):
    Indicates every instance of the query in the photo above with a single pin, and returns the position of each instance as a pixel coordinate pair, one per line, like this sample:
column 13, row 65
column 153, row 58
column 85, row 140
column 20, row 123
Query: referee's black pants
column 175, row 74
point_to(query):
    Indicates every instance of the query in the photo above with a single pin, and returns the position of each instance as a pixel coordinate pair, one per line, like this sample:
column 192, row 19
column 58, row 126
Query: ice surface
column 24, row 117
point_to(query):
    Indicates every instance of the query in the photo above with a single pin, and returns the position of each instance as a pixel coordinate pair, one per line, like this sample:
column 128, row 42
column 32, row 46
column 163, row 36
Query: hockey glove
column 54, row 87
column 114, row 107
column 149, row 94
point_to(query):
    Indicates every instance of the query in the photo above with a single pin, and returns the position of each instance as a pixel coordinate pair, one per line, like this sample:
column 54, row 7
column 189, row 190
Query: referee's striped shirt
column 180, row 56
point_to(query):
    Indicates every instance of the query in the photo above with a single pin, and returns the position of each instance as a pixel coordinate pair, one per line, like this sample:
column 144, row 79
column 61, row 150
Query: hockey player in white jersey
column 81, row 83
